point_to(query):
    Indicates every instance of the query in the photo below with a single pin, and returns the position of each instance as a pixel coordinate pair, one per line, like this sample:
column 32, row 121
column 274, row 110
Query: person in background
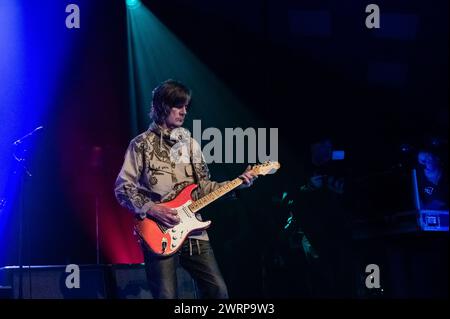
column 323, row 219
column 432, row 178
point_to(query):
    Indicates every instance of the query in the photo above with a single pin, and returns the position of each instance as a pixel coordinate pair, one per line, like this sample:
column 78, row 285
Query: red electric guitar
column 167, row 241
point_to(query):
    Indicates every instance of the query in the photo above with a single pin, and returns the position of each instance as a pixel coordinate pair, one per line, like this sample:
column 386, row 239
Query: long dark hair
column 168, row 94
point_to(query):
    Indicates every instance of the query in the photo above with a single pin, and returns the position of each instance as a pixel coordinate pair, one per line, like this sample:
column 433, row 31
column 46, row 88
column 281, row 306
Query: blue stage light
column 133, row 3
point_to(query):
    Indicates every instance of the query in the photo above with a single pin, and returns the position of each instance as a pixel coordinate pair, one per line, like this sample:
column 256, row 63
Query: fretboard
column 211, row 197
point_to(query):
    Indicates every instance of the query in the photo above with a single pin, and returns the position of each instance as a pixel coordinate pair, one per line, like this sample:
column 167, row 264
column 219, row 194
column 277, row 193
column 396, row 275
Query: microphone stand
column 22, row 170
column 23, row 173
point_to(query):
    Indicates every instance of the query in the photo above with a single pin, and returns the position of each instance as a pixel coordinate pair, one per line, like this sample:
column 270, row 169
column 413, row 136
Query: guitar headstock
column 266, row 168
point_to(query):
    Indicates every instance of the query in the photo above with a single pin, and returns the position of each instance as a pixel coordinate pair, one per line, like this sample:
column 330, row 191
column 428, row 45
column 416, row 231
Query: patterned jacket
column 151, row 174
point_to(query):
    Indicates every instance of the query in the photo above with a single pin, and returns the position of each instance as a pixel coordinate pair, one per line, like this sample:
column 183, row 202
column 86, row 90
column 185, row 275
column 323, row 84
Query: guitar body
column 165, row 241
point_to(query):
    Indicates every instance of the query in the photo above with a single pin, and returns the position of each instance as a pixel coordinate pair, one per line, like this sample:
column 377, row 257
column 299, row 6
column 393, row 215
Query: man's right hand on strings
column 166, row 216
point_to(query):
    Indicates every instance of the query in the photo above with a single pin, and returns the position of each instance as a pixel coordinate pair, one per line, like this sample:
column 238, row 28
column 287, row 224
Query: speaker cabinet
column 126, row 281
column 130, row 282
column 49, row 282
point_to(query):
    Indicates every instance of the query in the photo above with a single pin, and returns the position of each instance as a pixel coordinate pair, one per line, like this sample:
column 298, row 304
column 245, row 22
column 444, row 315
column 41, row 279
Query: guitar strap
column 191, row 156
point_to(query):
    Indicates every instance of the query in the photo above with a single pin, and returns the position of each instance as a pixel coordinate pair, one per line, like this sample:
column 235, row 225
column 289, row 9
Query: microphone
column 21, row 140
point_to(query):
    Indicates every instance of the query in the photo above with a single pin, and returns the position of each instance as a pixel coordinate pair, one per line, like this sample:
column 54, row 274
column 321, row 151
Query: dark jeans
column 197, row 257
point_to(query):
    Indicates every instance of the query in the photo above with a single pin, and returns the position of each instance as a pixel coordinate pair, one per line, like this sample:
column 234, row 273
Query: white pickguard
column 188, row 223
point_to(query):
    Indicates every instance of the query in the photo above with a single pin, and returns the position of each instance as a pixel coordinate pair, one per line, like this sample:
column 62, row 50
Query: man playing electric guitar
column 148, row 177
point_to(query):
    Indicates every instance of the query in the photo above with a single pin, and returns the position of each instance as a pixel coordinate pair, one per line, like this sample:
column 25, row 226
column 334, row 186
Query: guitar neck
column 211, row 197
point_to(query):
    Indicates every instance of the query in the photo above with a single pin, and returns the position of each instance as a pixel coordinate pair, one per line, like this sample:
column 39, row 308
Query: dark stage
column 349, row 97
